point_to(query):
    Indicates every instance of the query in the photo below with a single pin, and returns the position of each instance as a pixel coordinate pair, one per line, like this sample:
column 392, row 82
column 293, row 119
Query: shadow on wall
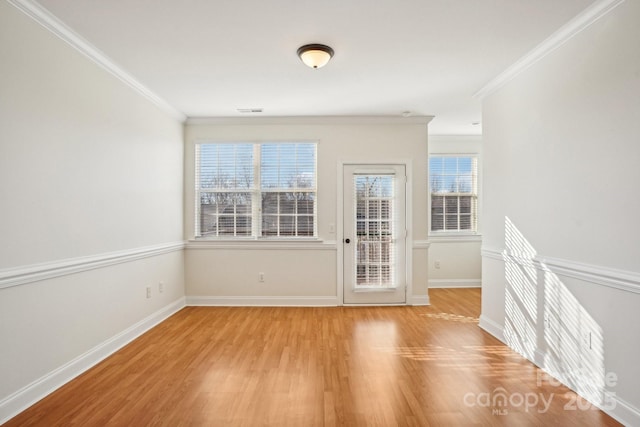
column 545, row 323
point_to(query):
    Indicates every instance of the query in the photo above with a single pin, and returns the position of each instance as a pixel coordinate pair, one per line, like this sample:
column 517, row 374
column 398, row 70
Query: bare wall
column 312, row 272
column 91, row 193
column 561, row 260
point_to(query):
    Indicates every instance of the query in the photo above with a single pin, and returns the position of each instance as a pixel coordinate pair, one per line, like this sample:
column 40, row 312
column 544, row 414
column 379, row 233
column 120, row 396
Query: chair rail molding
column 604, row 276
column 37, row 272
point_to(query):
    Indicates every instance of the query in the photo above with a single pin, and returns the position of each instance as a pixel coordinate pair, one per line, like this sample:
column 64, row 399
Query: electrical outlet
column 437, row 264
column 161, row 287
column 261, row 277
column 148, row 291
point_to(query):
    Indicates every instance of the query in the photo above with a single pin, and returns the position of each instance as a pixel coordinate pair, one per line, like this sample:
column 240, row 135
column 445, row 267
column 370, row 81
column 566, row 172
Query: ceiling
column 209, row 58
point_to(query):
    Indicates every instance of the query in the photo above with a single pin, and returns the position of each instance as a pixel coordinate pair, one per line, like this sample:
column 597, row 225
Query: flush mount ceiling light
column 315, row 55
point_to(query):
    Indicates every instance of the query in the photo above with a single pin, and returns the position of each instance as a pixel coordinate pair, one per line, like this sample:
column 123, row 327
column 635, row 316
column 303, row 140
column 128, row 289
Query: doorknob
column 347, row 240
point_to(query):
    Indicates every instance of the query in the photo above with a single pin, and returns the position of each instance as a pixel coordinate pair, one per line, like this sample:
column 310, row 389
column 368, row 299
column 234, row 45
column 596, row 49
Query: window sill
column 373, row 289
column 262, row 244
column 455, row 237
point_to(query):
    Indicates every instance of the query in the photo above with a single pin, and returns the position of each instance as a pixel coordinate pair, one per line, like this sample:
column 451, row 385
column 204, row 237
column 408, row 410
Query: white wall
column 458, row 255
column 561, row 260
column 220, row 272
column 91, row 194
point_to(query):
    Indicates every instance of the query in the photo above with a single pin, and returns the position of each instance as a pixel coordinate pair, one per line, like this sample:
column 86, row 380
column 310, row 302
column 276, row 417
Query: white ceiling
column 208, row 58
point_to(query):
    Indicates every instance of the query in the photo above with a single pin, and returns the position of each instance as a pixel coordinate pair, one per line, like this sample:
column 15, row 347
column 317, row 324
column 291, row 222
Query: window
column 256, row 190
column 453, row 183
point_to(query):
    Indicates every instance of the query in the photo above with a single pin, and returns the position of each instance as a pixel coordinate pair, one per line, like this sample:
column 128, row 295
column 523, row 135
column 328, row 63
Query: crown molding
column 575, row 26
column 46, row 19
column 311, row 120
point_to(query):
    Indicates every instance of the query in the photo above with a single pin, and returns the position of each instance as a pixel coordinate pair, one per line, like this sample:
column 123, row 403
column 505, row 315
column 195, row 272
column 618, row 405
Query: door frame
column 408, row 165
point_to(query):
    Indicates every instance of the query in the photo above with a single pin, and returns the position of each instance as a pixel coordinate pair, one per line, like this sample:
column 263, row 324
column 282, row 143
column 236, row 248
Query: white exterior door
column 374, row 235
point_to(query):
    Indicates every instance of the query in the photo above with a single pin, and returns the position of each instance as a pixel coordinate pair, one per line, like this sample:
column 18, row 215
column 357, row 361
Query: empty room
column 349, row 213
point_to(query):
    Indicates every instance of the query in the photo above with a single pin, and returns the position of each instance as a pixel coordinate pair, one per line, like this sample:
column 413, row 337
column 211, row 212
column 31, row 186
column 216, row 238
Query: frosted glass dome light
column 315, row 55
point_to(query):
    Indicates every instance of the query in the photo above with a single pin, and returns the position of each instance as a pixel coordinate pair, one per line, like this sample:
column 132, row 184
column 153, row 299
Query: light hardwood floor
column 343, row 366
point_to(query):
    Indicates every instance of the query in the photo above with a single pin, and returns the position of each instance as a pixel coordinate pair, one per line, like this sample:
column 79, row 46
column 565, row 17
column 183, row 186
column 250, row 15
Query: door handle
column 347, row 240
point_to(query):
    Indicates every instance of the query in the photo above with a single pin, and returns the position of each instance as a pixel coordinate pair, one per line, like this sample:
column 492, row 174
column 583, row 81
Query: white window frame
column 475, row 211
column 256, row 194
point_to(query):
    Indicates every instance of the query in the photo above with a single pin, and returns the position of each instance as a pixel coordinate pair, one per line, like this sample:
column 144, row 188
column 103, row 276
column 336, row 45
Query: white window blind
column 375, row 243
column 288, row 183
column 453, row 183
column 256, row 190
column 225, row 186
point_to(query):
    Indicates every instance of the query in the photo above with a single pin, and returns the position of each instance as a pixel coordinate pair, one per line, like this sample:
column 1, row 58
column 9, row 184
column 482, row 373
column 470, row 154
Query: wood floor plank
column 335, row 366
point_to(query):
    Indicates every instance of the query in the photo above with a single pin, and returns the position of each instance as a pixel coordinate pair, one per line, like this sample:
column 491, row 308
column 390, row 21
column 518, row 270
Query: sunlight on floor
column 452, row 317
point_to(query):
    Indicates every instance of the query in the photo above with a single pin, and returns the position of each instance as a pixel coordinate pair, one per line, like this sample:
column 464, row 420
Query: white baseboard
column 539, row 357
column 625, row 413
column 269, row 301
column 617, row 408
column 418, row 300
column 265, row 301
column 454, row 283
column 17, row 402
column 491, row 327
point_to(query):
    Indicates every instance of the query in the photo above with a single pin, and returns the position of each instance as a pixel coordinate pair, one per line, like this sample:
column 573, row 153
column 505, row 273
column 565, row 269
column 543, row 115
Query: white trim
column 49, row 21
column 491, row 253
column 613, row 278
column 621, row 410
column 576, row 25
column 340, row 233
column 409, row 244
column 30, row 394
column 418, row 300
column 421, row 244
column 454, row 283
column 454, row 138
column 260, row 244
column 455, row 238
column 37, row 272
column 624, row 412
column 261, row 301
column 538, row 357
column 491, row 327
column 253, row 141
column 628, row 281
column 311, row 120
